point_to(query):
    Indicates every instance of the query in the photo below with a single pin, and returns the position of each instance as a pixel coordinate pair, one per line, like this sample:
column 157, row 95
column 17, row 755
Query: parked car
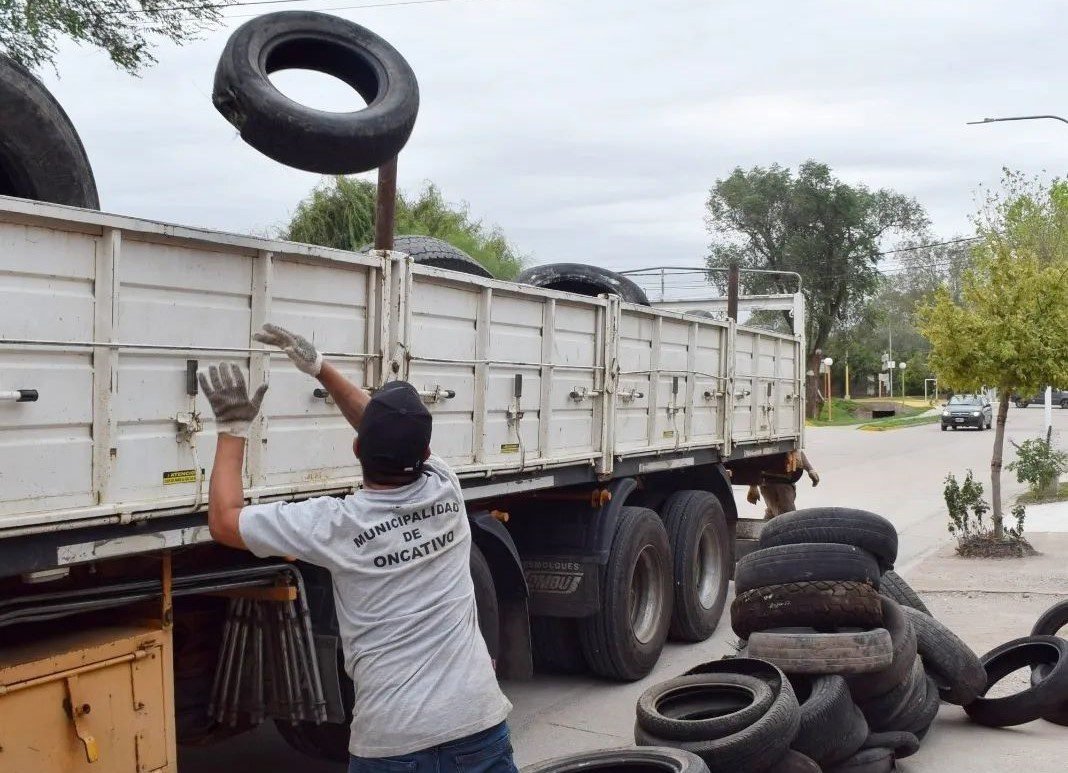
column 967, row 411
column 1059, row 397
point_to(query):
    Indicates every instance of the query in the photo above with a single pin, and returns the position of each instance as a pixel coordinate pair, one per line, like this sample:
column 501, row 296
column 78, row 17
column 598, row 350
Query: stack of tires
column 820, row 600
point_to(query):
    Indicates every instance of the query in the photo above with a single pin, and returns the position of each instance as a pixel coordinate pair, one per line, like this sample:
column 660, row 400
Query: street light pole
column 1018, row 118
column 829, row 362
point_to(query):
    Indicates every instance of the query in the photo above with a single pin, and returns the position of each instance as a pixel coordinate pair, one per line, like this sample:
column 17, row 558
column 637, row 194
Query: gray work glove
column 300, row 349
column 814, row 477
column 228, row 396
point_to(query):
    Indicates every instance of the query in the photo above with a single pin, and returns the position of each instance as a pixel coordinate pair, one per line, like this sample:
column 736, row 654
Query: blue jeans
column 488, row 751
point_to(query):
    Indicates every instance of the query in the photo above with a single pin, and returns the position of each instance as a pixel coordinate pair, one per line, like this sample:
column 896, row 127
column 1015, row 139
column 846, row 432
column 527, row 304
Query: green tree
column 30, row 29
column 814, row 224
column 341, row 214
column 1007, row 328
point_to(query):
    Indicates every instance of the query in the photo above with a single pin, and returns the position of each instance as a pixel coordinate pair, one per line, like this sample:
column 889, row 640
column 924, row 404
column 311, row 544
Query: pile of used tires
column 841, row 667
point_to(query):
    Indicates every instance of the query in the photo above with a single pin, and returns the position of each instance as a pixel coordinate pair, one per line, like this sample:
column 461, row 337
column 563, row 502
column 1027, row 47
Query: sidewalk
column 987, row 602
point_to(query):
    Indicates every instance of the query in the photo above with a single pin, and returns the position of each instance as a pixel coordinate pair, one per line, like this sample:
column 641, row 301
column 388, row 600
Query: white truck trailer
column 597, row 442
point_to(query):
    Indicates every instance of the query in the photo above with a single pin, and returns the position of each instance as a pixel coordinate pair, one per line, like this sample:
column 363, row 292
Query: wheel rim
column 707, row 568
column 646, row 595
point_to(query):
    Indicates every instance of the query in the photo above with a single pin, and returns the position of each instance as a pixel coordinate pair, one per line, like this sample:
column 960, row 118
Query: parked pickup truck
column 597, row 442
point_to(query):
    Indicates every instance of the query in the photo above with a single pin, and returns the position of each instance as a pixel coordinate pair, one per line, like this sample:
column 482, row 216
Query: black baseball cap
column 394, row 433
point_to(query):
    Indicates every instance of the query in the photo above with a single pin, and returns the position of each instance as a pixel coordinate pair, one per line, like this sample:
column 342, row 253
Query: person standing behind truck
column 780, row 491
column 398, row 552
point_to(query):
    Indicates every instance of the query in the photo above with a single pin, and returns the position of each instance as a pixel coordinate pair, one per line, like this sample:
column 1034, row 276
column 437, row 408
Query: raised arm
column 350, row 398
column 234, row 411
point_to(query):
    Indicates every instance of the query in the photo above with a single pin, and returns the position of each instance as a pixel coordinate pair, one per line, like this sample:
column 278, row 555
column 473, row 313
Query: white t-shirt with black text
column 399, row 560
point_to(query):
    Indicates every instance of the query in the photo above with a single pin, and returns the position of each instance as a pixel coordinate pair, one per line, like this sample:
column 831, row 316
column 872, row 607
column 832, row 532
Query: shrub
column 975, row 536
column 1038, row 463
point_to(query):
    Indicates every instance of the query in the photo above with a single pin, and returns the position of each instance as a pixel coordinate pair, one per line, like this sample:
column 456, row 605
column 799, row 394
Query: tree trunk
column 995, row 464
column 812, row 400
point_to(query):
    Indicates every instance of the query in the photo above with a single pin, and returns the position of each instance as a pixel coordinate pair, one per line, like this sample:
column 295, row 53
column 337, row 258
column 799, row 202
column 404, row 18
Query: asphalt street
column 898, row 474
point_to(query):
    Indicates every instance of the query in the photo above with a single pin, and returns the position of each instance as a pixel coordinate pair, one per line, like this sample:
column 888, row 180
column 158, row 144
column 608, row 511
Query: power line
column 933, row 244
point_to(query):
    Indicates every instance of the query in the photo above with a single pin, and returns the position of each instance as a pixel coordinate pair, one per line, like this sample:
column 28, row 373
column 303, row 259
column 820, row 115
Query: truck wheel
column 429, row 251
column 41, row 156
column 300, row 136
column 700, row 551
column 624, row 639
column 584, row 280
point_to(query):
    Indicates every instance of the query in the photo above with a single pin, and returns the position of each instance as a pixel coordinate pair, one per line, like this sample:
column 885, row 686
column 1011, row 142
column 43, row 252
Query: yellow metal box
column 98, row 700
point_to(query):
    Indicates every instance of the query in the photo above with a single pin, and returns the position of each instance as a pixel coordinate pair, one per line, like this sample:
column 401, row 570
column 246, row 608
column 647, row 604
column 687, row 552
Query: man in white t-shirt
column 398, row 552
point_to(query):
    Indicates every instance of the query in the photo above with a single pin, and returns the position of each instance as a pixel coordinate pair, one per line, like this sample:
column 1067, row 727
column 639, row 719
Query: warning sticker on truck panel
column 509, row 448
column 180, row 476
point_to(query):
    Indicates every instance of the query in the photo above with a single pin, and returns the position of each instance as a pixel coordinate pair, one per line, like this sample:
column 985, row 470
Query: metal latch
column 78, row 711
column 189, row 424
column 581, row 393
column 631, row 394
column 709, row 394
column 742, row 394
column 438, row 392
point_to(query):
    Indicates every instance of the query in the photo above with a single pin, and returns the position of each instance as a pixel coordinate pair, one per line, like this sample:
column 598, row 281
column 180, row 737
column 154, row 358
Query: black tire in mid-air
column 300, row 136
column 431, row 251
column 623, row 640
column 584, row 280
column 700, row 546
column 41, row 156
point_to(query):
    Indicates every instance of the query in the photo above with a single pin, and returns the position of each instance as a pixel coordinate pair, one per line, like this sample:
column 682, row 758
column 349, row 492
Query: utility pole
column 732, row 291
column 847, row 376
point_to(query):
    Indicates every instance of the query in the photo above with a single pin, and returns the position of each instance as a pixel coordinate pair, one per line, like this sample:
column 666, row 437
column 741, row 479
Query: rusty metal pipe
column 386, row 205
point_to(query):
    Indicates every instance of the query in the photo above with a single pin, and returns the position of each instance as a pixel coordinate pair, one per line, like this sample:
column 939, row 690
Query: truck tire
column 844, row 525
column 1052, row 620
column 904, row 744
column 584, row 280
column 703, row 706
column 875, row 760
column 884, row 712
column 925, row 716
column 832, row 728
column 821, row 605
column 648, row 759
column 824, row 653
column 757, row 747
column 700, row 548
column 430, row 251
column 955, row 668
column 556, row 645
column 903, row 637
column 624, row 639
column 41, row 156
column 300, row 136
column 803, row 563
column 1030, row 704
column 795, row 762
column 894, row 586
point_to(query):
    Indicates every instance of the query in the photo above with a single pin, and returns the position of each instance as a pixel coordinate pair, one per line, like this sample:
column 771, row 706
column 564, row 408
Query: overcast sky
column 591, row 130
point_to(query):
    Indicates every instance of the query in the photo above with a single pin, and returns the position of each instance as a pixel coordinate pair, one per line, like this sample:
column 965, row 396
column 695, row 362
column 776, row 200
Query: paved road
column 898, row 474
